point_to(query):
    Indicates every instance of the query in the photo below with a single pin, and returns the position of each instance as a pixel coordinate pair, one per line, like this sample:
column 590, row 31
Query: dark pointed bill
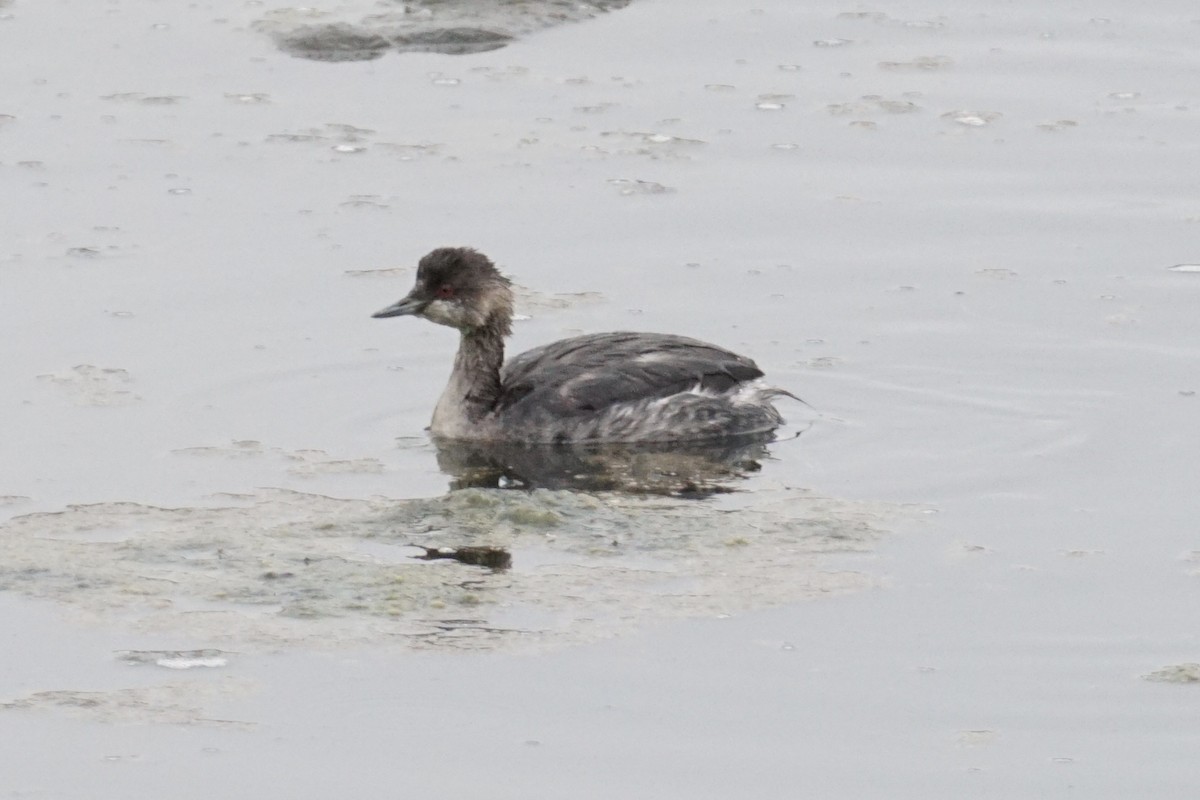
column 406, row 305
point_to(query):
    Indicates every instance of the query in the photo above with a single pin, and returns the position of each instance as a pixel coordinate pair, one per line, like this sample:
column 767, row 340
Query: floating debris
column 175, row 659
column 1000, row 273
column 972, row 119
column 331, row 132
column 365, row 201
column 871, row 104
column 898, row 106
column 381, row 272
column 170, row 704
column 634, row 186
column 1057, row 125
column 147, row 100
column 304, row 463
column 494, row 558
column 920, row 64
column 1176, row 673
column 89, row 385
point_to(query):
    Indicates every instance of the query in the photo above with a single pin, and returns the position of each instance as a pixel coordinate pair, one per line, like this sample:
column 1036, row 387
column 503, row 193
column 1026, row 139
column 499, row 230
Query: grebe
column 601, row 387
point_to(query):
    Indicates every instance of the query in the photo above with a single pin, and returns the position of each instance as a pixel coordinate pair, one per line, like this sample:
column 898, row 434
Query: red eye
column 445, row 292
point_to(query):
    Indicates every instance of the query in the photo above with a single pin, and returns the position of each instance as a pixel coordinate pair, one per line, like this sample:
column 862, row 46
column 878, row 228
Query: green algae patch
column 474, row 569
column 1176, row 673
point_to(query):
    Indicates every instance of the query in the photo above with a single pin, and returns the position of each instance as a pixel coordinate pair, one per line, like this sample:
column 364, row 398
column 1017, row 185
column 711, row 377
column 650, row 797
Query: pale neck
column 476, row 376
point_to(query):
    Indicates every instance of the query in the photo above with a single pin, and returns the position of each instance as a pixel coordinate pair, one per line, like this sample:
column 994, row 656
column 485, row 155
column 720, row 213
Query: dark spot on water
column 336, row 42
column 452, row 41
column 342, row 41
column 155, row 657
column 275, row 576
column 457, row 28
column 490, row 557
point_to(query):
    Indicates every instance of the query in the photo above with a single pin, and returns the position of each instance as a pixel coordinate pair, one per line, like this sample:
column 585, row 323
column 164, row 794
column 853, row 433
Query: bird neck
column 477, row 366
column 474, row 384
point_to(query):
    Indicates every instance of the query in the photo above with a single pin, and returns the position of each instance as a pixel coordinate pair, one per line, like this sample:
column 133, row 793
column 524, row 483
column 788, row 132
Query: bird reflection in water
column 677, row 469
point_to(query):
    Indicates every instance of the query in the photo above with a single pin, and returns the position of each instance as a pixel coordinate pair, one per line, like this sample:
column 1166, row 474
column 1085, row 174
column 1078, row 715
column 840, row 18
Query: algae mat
column 288, row 568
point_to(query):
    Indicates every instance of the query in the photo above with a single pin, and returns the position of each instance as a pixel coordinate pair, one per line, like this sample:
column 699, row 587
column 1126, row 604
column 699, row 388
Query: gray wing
column 590, row 373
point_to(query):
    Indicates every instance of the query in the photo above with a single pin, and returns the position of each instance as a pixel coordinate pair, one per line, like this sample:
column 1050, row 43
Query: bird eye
column 445, row 292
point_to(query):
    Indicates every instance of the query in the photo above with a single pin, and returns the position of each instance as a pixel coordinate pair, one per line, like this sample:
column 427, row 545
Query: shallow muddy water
column 965, row 234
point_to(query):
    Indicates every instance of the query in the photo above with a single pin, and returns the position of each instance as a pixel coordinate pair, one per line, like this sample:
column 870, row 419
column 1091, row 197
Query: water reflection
column 680, row 469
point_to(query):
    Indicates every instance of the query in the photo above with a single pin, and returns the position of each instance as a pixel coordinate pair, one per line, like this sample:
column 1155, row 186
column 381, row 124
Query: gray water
column 965, row 234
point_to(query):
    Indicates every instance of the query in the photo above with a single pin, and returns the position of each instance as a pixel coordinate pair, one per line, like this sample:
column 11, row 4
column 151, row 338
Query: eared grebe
column 602, row 387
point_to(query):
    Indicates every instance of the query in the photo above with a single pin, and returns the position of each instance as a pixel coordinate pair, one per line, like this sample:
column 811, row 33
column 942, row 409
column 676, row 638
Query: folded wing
column 588, row 374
